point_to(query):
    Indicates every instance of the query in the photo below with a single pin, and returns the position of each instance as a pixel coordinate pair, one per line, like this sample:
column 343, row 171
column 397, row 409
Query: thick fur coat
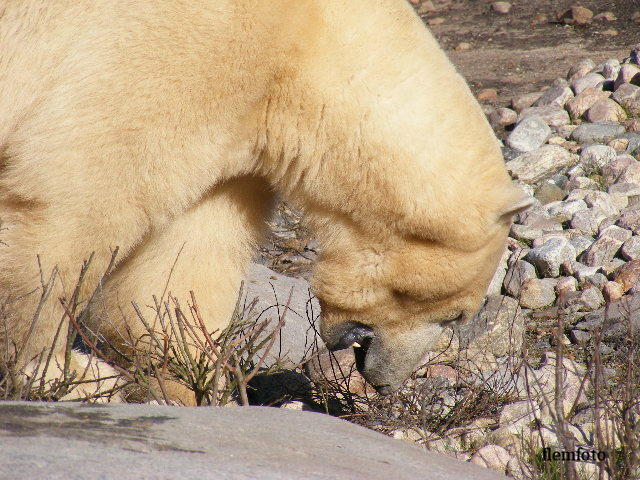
column 159, row 126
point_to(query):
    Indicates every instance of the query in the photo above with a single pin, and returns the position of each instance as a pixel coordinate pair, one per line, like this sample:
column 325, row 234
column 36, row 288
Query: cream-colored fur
column 156, row 125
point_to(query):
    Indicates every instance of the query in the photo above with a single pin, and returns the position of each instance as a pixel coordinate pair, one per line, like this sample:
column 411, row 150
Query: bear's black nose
column 355, row 334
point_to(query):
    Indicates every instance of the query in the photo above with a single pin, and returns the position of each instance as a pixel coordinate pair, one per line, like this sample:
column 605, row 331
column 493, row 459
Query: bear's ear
column 520, row 205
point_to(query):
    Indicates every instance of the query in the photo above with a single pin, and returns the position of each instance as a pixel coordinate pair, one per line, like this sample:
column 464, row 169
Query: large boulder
column 270, row 291
column 75, row 441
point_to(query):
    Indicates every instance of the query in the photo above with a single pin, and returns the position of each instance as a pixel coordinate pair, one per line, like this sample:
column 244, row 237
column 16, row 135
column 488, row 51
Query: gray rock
column 563, row 211
column 630, row 220
column 578, row 105
column 628, row 74
column 587, row 221
column 627, row 189
column 626, row 94
column 580, row 69
column 597, row 132
column 548, row 257
column 537, row 220
column 538, row 293
column 615, row 319
column 271, row 290
column 565, row 131
column 603, row 201
column 630, row 174
column 630, row 249
column 521, row 413
column 72, row 441
column 509, row 153
column 529, row 134
column 589, row 80
column 553, row 115
column 606, row 111
column 495, row 286
column 620, row 200
column 535, row 166
column 583, row 183
column 517, row 274
column 634, row 142
column 591, row 321
column 602, row 251
column 577, row 195
column 555, row 96
column 579, row 337
column 606, row 223
column 526, row 100
column 549, row 192
column 598, row 279
column 615, row 232
column 612, row 266
column 538, row 242
column 612, row 171
column 560, row 180
column 581, row 242
column 493, row 457
column 567, row 284
column 611, row 69
column 583, row 272
column 591, row 298
column 524, row 232
column 503, row 116
column 497, row 328
column 576, row 171
column 594, row 157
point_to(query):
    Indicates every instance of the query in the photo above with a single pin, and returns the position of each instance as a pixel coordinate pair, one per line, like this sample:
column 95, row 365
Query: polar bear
column 167, row 126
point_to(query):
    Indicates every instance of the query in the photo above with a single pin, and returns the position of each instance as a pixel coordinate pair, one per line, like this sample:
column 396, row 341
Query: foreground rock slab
column 76, row 441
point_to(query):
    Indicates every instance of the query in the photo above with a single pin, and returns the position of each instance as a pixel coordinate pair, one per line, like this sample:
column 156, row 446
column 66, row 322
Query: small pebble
column 501, row 7
column 605, row 17
column 503, row 116
column 576, row 15
column 462, row 46
column 487, row 94
column 435, row 21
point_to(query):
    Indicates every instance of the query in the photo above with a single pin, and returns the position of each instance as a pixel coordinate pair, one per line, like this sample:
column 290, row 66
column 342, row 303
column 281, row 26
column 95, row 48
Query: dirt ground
column 525, row 49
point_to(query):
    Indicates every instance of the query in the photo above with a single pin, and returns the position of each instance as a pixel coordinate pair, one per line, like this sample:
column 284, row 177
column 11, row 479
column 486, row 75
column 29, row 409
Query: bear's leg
column 205, row 250
column 44, row 251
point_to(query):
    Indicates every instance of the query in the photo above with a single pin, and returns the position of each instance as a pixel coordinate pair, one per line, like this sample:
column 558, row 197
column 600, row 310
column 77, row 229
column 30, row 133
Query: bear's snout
column 350, row 334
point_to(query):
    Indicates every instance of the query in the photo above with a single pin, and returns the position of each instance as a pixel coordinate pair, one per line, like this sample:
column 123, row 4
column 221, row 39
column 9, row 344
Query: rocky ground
column 569, row 281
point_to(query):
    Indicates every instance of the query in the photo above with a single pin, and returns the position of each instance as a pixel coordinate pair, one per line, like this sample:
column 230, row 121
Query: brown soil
column 525, row 49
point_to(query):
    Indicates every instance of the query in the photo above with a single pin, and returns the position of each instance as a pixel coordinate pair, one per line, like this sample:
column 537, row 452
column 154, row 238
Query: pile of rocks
column 574, row 148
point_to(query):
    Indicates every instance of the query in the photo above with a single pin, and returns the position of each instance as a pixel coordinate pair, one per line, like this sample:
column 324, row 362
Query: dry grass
column 437, row 411
column 176, row 347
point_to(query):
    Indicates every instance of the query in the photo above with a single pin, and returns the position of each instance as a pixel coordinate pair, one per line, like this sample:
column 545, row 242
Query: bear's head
column 370, row 128
column 390, row 298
